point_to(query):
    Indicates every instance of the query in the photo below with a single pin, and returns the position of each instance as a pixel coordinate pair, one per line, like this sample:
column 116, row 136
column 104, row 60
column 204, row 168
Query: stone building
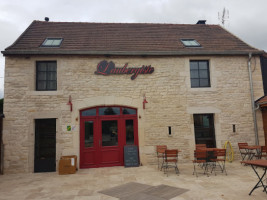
column 89, row 89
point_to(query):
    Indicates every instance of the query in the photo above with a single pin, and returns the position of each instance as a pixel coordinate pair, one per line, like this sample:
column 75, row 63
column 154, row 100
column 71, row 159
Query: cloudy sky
column 246, row 19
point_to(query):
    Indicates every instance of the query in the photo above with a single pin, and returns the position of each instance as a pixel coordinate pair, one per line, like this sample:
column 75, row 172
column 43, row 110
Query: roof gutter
column 125, row 53
column 252, row 100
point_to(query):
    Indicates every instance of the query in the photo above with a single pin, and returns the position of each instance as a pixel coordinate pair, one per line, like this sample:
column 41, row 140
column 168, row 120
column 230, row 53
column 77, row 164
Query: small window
column 190, row 43
column 52, row 42
column 46, row 76
column 199, row 73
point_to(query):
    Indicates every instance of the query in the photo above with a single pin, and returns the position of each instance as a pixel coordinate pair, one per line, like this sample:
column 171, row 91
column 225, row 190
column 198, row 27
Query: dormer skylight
column 52, row 42
column 190, row 43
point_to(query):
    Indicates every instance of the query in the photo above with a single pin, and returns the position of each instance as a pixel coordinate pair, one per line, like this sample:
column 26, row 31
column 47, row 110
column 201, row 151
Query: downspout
column 252, row 100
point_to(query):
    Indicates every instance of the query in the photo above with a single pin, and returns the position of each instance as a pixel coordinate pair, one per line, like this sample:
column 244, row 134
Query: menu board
column 131, row 156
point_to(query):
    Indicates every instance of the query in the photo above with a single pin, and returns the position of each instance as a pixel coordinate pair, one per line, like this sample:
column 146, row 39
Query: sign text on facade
column 107, row 68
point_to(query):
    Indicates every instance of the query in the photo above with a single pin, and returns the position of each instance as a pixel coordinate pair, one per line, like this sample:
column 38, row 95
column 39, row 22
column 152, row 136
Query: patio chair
column 263, row 153
column 219, row 160
column 160, row 154
column 200, row 160
column 170, row 160
column 242, row 150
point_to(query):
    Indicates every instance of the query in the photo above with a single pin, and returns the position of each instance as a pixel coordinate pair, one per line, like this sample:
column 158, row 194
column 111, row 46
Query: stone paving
column 87, row 183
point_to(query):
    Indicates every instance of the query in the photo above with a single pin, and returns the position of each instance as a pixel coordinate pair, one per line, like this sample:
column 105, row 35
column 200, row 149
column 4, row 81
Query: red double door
column 104, row 131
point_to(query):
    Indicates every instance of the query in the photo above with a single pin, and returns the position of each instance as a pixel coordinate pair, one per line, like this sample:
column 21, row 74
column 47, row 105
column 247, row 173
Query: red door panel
column 88, row 144
column 111, row 156
column 104, row 131
column 111, row 140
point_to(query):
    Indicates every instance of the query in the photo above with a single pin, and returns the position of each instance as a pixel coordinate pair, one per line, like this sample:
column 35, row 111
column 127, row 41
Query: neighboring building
column 88, row 89
column 262, row 102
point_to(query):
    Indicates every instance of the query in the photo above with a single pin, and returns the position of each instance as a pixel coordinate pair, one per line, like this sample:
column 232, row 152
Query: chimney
column 46, row 19
column 201, row 22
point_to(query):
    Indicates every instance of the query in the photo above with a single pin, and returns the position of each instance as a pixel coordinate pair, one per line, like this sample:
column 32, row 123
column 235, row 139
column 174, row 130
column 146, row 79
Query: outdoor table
column 250, row 151
column 254, row 164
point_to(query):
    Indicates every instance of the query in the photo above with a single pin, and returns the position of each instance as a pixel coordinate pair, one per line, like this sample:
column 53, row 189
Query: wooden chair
column 242, row 150
column 170, row 160
column 219, row 160
column 201, row 146
column 200, row 160
column 160, row 154
column 262, row 153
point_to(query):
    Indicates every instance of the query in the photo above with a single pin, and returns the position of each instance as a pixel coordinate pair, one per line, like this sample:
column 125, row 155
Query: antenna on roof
column 46, row 19
column 224, row 16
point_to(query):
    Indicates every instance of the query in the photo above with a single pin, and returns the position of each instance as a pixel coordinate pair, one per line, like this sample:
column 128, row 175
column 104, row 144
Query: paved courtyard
column 88, row 183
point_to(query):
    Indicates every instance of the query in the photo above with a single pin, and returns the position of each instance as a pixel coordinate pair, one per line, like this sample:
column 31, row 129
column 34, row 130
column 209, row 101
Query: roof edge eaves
column 130, row 53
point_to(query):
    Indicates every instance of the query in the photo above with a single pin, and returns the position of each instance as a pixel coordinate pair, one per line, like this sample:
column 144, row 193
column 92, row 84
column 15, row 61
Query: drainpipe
column 252, row 100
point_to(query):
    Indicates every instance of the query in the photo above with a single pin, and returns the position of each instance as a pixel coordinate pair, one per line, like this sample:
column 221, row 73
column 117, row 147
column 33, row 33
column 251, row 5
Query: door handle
column 99, row 142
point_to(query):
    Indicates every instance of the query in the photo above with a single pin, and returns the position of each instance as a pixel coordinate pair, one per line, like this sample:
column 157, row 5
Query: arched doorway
column 104, row 131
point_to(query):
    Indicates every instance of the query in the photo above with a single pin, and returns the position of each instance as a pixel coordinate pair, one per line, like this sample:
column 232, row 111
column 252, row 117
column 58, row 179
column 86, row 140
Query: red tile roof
column 128, row 39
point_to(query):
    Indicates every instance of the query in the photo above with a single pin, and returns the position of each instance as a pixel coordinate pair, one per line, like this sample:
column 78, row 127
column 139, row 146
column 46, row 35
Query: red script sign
column 107, row 68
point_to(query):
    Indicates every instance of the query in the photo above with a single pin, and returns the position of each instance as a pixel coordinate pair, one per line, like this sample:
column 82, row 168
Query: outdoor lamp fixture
column 144, row 102
column 70, row 103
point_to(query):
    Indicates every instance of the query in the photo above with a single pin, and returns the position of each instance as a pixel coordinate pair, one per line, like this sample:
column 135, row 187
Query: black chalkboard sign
column 131, row 156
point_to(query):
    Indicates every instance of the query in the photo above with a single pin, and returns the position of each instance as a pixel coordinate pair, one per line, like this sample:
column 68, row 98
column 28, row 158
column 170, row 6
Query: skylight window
column 52, row 42
column 190, row 43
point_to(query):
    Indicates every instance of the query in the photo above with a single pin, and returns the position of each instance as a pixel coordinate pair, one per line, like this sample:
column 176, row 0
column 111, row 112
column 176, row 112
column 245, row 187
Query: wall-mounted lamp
column 144, row 102
column 70, row 103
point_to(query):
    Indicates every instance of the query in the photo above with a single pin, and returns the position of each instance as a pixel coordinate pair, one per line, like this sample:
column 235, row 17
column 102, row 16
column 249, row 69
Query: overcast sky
column 247, row 19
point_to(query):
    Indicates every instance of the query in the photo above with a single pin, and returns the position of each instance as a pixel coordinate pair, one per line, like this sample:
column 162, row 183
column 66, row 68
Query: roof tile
column 127, row 37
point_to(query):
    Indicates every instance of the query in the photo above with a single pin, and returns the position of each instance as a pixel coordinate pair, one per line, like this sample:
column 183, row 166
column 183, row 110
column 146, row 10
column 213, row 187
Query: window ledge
column 43, row 93
column 201, row 89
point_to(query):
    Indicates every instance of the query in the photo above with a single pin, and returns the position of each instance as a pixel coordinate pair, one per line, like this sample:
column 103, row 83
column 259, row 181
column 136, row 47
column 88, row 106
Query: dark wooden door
column 45, row 145
column 204, row 129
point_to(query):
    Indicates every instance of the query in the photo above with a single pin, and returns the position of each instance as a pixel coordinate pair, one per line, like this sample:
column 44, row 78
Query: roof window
column 52, row 42
column 190, row 43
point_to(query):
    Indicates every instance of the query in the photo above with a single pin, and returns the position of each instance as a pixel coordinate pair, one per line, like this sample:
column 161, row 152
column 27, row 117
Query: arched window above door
column 108, row 110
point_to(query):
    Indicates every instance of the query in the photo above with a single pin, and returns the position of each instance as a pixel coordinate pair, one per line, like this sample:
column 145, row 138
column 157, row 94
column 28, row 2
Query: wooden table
column 254, row 164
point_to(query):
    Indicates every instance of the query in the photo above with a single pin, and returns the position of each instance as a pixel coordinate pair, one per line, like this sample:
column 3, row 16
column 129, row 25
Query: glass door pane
column 110, row 133
column 89, row 134
column 204, row 129
column 129, row 131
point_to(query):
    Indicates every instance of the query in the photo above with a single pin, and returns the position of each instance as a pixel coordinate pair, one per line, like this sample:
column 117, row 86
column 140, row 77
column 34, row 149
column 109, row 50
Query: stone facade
column 171, row 102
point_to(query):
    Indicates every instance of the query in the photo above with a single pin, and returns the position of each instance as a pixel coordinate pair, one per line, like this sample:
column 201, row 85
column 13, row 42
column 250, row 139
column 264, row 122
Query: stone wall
column 171, row 102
